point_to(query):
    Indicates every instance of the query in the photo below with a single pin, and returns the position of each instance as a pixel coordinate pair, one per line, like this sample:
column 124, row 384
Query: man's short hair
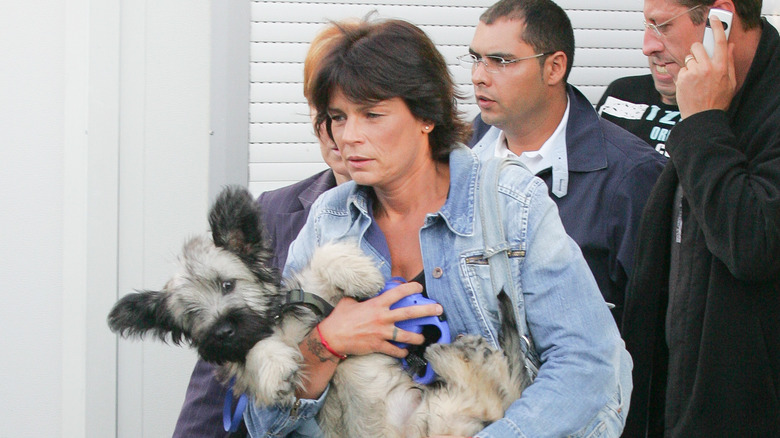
column 749, row 11
column 547, row 27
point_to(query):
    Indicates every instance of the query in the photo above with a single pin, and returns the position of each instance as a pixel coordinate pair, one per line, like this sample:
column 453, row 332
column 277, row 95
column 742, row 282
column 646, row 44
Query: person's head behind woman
column 381, row 60
column 321, row 44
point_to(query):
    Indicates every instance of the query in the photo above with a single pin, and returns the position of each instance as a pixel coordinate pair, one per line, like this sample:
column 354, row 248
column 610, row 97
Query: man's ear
column 726, row 5
column 555, row 68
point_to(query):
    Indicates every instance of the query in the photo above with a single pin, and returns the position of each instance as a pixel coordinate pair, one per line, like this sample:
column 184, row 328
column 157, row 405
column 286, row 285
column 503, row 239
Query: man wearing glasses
column 702, row 318
column 598, row 174
column 644, row 105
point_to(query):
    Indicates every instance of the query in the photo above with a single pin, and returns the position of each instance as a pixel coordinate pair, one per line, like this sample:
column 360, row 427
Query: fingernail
column 439, row 309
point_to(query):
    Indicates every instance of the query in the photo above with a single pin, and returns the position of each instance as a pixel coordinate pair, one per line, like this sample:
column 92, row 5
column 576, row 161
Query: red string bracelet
column 327, row 347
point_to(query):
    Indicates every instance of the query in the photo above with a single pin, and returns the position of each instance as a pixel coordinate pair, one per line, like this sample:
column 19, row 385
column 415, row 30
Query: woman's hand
column 357, row 328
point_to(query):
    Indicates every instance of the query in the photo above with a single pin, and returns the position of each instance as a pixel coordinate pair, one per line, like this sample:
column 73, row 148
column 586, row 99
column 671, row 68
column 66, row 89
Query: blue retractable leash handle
column 231, row 420
column 416, row 326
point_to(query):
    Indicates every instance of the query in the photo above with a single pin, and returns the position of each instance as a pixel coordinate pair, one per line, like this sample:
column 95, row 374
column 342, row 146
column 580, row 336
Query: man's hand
column 707, row 83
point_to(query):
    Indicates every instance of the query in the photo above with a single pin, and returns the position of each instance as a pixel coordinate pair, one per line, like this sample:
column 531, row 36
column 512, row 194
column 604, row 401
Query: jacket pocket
column 476, row 270
column 610, row 420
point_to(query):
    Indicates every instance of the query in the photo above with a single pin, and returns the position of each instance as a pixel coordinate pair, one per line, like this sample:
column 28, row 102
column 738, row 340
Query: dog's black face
column 232, row 336
column 224, row 298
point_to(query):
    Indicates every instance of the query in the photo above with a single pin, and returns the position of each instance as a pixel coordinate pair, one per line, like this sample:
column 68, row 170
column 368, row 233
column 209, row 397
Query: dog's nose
column 225, row 331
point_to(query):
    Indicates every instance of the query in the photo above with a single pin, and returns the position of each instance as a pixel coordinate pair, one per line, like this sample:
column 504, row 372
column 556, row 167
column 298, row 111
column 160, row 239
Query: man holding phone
column 702, row 315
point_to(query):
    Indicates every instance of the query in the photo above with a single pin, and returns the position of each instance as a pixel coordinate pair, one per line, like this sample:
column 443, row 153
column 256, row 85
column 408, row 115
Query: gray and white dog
column 228, row 303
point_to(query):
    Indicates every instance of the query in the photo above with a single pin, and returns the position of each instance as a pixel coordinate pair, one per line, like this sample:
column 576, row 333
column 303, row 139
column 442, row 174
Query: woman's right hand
column 357, row 328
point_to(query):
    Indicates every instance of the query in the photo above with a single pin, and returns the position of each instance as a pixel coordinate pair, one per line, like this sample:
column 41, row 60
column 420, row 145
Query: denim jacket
column 584, row 383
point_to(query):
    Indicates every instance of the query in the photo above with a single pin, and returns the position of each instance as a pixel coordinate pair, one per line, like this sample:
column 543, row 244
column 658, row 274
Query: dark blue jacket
column 611, row 173
column 284, row 212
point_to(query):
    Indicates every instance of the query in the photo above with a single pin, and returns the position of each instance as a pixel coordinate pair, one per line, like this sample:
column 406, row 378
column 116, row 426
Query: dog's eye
column 228, row 286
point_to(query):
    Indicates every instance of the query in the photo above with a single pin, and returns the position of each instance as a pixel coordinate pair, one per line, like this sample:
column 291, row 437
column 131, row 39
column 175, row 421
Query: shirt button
column 437, row 272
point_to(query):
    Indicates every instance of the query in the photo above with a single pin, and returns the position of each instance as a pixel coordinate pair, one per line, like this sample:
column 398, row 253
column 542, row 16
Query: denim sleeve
column 298, row 420
column 575, row 335
column 734, row 195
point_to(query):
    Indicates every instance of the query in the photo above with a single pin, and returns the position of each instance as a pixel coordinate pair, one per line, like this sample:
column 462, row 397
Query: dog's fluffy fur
column 226, row 301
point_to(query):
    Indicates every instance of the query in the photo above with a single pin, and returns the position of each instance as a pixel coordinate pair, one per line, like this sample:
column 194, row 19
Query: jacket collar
column 584, row 137
column 457, row 212
column 766, row 52
column 326, row 180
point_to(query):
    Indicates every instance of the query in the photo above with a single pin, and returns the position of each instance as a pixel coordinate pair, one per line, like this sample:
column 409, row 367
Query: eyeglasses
column 659, row 28
column 492, row 64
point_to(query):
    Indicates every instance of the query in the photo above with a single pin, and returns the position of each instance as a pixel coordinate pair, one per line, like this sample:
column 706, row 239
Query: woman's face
column 382, row 143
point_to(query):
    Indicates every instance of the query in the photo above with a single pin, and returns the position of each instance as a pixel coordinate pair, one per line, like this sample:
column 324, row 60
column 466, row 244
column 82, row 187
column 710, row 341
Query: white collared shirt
column 551, row 154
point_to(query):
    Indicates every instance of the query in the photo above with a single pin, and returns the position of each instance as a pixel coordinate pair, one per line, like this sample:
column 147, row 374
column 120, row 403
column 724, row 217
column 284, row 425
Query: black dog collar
column 298, row 296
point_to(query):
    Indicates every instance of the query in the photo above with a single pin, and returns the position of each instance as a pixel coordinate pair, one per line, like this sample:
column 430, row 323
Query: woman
column 388, row 101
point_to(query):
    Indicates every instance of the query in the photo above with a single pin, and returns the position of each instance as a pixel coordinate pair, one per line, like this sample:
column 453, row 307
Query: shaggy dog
column 227, row 302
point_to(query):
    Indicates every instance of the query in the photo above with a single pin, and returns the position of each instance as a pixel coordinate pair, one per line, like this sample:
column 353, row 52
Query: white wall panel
column 285, row 152
column 280, row 113
column 283, row 171
column 601, row 75
column 279, row 92
column 449, row 35
column 281, row 132
column 289, row 12
column 608, row 35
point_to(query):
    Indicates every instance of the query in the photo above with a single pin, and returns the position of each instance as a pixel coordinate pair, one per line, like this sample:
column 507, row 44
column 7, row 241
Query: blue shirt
column 610, row 175
column 585, row 377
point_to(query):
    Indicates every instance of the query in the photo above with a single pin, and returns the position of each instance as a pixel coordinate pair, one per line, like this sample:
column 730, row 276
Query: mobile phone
column 709, row 40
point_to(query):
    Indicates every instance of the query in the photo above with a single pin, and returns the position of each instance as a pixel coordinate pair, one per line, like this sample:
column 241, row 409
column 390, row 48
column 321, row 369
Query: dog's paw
column 342, row 269
column 468, row 357
column 273, row 372
column 473, row 376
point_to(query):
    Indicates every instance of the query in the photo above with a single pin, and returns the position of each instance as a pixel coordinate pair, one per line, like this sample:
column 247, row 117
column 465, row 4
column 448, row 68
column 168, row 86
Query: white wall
column 183, row 136
column 163, row 187
column 120, row 120
column 184, row 119
column 31, row 170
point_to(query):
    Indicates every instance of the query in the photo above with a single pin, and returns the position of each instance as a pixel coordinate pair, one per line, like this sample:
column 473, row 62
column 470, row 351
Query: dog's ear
column 235, row 220
column 138, row 313
column 237, row 226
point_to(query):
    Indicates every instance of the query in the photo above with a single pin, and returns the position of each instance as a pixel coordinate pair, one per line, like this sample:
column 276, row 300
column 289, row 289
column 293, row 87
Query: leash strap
column 231, row 420
column 497, row 252
column 314, row 302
